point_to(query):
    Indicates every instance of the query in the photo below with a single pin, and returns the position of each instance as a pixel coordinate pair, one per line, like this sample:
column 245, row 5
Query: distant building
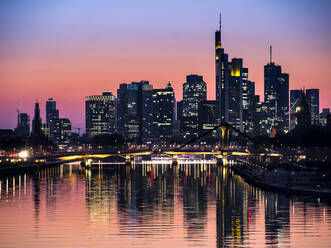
column 36, row 122
column 276, row 97
column 312, row 96
column 328, row 121
column 248, row 102
column 100, row 114
column 235, row 97
column 61, row 131
column 208, row 116
column 194, row 91
column 303, row 114
column 23, row 125
column 134, row 117
column 164, row 112
column 295, row 99
column 222, row 76
column 51, row 111
column 323, row 116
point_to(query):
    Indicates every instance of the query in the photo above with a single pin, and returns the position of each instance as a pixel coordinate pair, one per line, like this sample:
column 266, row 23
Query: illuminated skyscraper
column 312, row 97
column 276, row 97
column 135, row 111
column 51, row 111
column 235, row 110
column 222, row 76
column 100, row 114
column 164, row 112
column 194, row 91
column 61, row 131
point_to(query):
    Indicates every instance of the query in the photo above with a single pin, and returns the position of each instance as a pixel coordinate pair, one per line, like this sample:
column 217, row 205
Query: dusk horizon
column 68, row 50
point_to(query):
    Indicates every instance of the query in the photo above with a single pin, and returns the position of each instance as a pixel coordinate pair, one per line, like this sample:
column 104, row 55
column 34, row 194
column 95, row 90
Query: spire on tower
column 270, row 54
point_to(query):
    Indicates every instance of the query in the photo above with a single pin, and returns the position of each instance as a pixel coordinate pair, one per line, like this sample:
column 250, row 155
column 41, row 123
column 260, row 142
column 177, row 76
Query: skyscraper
column 312, row 97
column 194, row 91
column 51, row 111
column 276, row 96
column 61, row 131
column 100, row 114
column 135, row 110
column 208, row 119
column 36, row 122
column 23, row 125
column 235, row 110
column 295, row 100
column 164, row 112
column 222, row 76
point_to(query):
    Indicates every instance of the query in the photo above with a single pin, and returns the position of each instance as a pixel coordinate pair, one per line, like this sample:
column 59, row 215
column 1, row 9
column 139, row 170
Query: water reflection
column 190, row 204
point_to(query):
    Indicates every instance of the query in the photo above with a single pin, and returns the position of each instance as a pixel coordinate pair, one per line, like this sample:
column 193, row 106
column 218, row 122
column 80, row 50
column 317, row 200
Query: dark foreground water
column 189, row 205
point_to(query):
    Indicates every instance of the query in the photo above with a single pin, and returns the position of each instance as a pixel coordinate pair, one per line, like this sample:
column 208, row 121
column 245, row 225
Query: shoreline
column 256, row 181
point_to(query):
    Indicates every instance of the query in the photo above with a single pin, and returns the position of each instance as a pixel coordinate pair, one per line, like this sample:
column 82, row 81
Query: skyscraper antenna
column 220, row 21
column 270, row 54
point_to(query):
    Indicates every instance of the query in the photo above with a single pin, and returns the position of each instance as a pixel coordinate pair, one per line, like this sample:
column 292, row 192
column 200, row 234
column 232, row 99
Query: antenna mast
column 270, row 54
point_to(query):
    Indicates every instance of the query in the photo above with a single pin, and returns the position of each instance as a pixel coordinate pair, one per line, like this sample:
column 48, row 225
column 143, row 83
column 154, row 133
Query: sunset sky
column 68, row 49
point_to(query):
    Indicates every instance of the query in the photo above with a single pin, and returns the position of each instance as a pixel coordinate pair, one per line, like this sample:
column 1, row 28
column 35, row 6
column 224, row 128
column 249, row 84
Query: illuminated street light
column 23, row 154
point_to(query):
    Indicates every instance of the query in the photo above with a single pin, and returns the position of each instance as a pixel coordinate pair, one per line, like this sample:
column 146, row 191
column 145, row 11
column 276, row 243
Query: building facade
column 194, row 91
column 276, row 98
column 163, row 112
column 60, row 131
column 100, row 114
column 23, row 125
column 312, row 96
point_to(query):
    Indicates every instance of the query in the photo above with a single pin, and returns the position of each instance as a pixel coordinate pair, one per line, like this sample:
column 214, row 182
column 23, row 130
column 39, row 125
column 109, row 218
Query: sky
column 68, row 49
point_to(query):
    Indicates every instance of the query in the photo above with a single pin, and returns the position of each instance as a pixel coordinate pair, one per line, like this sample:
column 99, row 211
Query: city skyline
column 24, row 72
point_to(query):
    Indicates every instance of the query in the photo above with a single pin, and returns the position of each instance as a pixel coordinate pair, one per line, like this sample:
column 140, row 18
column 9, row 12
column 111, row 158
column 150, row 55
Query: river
column 192, row 204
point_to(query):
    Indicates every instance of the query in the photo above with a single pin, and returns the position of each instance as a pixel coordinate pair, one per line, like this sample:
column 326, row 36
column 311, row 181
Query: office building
column 323, row 116
column 23, row 125
column 61, row 131
column 194, row 91
column 276, row 97
column 208, row 116
column 312, row 97
column 36, row 122
column 100, row 114
column 134, row 117
column 295, row 99
column 51, row 111
column 163, row 112
column 222, row 76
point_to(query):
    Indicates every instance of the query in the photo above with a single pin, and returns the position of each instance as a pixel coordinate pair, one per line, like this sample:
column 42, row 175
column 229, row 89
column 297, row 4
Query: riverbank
column 13, row 168
column 295, row 181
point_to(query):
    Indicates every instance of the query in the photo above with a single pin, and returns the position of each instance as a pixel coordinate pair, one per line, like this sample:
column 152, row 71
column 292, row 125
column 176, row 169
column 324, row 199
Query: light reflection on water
column 154, row 204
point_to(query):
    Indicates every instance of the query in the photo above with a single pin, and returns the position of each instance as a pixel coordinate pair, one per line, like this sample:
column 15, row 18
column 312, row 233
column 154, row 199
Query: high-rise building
column 100, row 114
column 324, row 116
column 36, row 122
column 295, row 99
column 276, row 97
column 235, row 110
column 23, row 125
column 61, row 131
column 164, row 112
column 312, row 97
column 194, row 91
column 135, row 110
column 51, row 111
column 208, row 116
column 222, row 76
column 303, row 113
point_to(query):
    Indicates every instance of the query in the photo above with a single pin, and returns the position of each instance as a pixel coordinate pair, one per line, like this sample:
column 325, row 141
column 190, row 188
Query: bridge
column 174, row 153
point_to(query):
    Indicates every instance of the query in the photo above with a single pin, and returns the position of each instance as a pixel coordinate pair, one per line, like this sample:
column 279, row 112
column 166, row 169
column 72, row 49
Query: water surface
column 194, row 204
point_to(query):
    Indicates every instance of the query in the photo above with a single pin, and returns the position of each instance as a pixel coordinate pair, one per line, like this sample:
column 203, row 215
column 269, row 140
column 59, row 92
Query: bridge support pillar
column 225, row 137
column 175, row 159
column 127, row 159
